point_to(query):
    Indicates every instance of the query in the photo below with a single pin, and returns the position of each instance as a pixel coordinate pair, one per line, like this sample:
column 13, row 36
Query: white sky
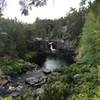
column 54, row 9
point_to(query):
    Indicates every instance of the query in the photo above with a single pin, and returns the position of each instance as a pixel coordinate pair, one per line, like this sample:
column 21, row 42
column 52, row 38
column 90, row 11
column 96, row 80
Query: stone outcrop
column 43, row 45
column 46, row 71
column 31, row 65
column 15, row 94
column 36, row 81
column 4, row 80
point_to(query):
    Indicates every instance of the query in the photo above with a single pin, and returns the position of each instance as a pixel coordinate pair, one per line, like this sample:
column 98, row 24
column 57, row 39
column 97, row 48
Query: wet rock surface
column 31, row 65
column 4, row 80
column 18, row 86
column 35, row 81
column 46, row 71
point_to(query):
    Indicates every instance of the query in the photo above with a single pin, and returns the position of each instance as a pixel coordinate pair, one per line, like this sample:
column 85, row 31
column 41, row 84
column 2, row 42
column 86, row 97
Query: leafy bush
column 81, row 96
column 30, row 95
column 29, row 55
column 56, row 91
column 86, row 95
column 6, row 98
column 12, row 66
column 97, row 94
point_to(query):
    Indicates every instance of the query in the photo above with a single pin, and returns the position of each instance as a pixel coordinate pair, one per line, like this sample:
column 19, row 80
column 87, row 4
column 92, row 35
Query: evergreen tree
column 90, row 39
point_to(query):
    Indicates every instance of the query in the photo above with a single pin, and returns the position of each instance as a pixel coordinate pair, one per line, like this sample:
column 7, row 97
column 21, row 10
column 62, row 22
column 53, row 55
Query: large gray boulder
column 35, row 81
column 46, row 71
column 31, row 65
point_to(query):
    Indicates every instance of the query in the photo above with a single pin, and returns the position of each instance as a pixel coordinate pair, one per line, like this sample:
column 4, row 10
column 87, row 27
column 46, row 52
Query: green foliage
column 6, row 98
column 97, row 94
column 67, row 28
column 85, row 95
column 13, row 36
column 30, row 95
column 90, row 40
column 81, row 79
column 89, row 51
column 29, row 55
column 56, row 91
column 81, row 96
column 12, row 66
column 18, row 35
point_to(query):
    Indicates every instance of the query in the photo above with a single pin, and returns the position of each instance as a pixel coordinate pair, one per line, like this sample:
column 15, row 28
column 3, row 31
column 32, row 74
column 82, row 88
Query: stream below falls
column 19, row 84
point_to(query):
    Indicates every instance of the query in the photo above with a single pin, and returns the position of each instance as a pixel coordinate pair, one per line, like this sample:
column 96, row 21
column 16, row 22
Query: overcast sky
column 54, row 9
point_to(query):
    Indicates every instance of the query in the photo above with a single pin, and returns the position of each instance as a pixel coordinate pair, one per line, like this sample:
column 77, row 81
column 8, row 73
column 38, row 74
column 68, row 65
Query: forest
column 22, row 43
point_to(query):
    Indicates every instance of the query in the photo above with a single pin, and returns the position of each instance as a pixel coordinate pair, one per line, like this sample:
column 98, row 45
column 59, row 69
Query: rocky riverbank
column 18, row 85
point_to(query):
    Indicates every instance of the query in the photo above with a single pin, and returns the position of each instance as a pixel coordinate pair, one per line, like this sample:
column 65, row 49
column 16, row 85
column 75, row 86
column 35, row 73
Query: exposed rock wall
column 43, row 45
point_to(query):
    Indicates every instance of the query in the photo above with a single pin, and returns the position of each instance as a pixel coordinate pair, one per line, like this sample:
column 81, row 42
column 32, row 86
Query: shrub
column 57, row 91
column 12, row 66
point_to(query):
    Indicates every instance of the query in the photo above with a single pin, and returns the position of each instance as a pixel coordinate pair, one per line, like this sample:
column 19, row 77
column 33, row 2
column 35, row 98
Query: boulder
column 76, row 75
column 46, row 71
column 19, row 88
column 11, row 88
column 35, row 81
column 31, row 80
column 31, row 65
column 4, row 80
column 44, row 80
column 14, row 94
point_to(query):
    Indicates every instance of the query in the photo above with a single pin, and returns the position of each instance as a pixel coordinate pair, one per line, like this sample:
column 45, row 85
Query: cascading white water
column 51, row 47
column 53, row 63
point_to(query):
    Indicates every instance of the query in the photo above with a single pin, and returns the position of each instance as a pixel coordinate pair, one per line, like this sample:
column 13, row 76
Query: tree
column 90, row 37
column 2, row 5
column 26, row 5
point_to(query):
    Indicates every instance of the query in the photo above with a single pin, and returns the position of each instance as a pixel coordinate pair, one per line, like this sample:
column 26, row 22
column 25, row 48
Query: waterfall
column 51, row 47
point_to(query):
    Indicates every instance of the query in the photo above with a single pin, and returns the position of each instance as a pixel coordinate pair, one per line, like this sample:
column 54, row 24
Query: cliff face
column 59, row 48
column 59, row 45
